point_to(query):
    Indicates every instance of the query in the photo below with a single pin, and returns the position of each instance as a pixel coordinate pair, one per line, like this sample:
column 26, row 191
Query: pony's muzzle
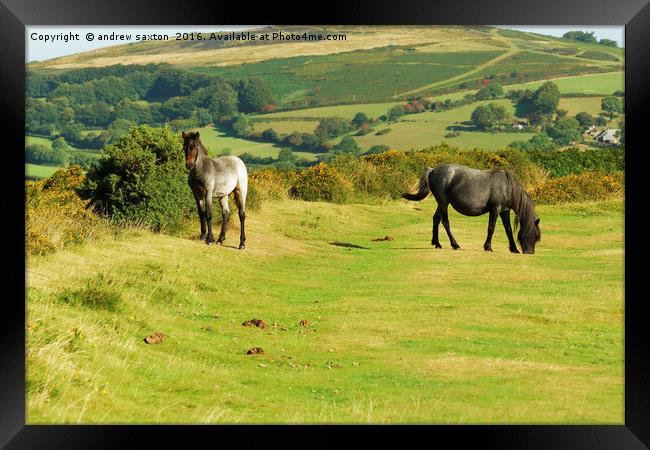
column 189, row 165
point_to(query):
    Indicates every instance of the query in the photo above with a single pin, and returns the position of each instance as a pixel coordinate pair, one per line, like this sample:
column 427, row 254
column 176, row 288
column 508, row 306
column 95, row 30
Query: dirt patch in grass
column 385, row 238
column 155, row 338
column 259, row 323
column 255, row 351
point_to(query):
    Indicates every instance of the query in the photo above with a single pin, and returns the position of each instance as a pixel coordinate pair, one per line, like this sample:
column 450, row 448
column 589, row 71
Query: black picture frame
column 15, row 14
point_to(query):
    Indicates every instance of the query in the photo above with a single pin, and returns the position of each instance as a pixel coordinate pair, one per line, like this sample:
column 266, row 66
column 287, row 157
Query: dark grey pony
column 215, row 177
column 475, row 192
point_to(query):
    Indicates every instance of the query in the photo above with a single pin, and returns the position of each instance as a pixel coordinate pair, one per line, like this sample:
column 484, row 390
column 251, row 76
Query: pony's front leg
column 434, row 233
column 491, row 223
column 208, row 218
column 225, row 216
column 200, row 208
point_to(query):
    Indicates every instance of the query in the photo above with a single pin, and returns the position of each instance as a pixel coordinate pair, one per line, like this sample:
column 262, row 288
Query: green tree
column 359, row 119
column 241, row 125
column 580, row 36
column 331, row 127
column 565, row 131
column 611, row 105
column 270, row 135
column 347, row 145
column 491, row 91
column 253, row 93
column 608, row 42
column 396, row 112
column 286, row 154
column 586, row 120
column 490, row 115
column 547, row 98
column 141, row 178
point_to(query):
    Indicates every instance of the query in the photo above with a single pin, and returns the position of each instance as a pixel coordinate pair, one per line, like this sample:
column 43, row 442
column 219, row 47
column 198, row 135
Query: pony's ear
column 184, row 134
column 196, row 135
column 537, row 221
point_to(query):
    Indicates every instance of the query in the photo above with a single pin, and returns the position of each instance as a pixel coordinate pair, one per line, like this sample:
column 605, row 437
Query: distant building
column 519, row 125
column 608, row 136
column 592, row 131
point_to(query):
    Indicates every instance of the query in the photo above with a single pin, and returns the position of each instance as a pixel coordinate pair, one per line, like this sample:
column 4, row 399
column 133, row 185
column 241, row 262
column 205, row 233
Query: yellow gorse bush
column 55, row 215
column 583, row 187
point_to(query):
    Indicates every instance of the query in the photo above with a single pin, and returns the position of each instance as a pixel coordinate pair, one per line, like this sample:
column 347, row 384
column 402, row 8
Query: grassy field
column 217, row 142
column 398, row 332
column 39, row 171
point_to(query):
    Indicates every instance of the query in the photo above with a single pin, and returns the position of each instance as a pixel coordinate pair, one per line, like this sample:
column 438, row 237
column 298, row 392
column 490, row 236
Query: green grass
column 399, row 333
column 39, row 171
column 414, row 131
column 594, row 84
column 575, row 105
column 217, row 141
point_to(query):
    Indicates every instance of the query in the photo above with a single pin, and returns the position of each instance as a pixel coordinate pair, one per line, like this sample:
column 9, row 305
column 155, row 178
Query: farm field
column 397, row 332
column 33, row 171
column 216, row 141
column 39, row 171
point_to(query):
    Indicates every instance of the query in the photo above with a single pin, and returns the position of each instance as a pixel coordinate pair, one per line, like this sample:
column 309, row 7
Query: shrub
column 55, row 216
column 268, row 184
column 141, row 179
column 575, row 161
column 579, row 187
column 321, row 183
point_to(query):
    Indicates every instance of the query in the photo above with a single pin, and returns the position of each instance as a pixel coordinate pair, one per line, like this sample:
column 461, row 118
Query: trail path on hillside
column 513, row 50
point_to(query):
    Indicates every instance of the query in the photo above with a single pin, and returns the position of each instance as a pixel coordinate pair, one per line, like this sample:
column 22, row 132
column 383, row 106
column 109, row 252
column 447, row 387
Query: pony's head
column 192, row 147
column 529, row 235
column 525, row 219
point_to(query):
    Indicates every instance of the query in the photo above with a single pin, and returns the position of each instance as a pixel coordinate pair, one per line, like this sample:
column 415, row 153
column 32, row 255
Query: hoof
column 457, row 247
column 436, row 245
column 514, row 251
column 487, row 249
column 209, row 240
column 202, row 237
column 242, row 247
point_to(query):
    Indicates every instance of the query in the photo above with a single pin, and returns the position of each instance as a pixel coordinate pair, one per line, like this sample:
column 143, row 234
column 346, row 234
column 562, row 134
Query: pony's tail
column 423, row 188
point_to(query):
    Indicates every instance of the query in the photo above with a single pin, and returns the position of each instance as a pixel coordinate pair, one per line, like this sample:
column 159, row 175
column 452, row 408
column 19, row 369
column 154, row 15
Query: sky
column 39, row 50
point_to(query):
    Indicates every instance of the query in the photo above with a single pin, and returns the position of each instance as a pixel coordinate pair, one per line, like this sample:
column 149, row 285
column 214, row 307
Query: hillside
column 397, row 332
column 373, row 63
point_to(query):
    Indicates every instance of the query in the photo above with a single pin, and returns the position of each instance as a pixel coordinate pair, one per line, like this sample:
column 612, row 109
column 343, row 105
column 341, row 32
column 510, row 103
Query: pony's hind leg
column 240, row 200
column 491, row 223
column 225, row 216
column 434, row 235
column 445, row 223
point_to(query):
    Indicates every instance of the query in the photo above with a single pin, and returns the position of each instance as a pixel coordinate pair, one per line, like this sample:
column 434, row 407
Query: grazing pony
column 475, row 192
column 215, row 177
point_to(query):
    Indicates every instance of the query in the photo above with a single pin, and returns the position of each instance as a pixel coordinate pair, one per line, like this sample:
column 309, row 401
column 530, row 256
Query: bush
column 268, row 184
column 321, row 183
column 141, row 179
column 579, row 187
column 575, row 161
column 55, row 216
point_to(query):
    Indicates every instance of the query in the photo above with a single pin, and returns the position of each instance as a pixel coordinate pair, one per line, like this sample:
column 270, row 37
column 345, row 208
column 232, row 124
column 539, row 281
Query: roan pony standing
column 475, row 192
column 215, row 177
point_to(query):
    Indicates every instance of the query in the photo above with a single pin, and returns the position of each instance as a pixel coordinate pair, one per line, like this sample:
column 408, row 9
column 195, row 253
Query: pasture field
column 575, row 105
column 397, row 331
column 39, row 171
column 414, row 131
column 593, row 84
column 218, row 141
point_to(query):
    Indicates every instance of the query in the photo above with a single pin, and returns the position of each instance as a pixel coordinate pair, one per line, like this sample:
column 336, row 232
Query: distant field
column 596, row 84
column 217, row 142
column 38, row 171
column 30, row 140
column 286, row 127
column 575, row 105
